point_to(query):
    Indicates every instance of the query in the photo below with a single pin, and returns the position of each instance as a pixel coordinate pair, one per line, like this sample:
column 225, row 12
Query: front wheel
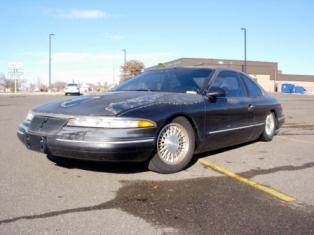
column 174, row 148
column 269, row 128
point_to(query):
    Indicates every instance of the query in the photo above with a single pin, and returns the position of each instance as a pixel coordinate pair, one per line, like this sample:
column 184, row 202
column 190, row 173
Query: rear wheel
column 269, row 128
column 174, row 148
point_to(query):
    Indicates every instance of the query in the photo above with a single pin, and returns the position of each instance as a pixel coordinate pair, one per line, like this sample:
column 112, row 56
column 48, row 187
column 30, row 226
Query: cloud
column 71, row 57
column 147, row 57
column 87, row 66
column 85, row 14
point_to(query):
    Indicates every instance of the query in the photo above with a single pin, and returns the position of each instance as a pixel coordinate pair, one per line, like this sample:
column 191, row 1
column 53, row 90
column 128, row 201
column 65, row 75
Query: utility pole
column 124, row 52
column 50, row 36
column 244, row 30
column 124, row 65
column 15, row 71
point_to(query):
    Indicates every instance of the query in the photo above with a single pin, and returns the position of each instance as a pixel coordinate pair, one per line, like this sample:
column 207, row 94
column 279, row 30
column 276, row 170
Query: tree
column 2, row 79
column 9, row 84
column 160, row 65
column 2, row 82
column 130, row 69
column 32, row 87
column 58, row 86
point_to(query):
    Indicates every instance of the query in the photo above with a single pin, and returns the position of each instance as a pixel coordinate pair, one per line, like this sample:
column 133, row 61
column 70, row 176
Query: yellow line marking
column 235, row 176
column 295, row 140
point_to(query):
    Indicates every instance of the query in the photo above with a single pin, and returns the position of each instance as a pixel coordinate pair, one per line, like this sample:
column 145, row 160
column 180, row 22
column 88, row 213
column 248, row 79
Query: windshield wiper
column 141, row 90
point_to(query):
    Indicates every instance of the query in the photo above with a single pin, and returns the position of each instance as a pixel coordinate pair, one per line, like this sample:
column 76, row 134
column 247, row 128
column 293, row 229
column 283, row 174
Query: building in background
column 265, row 73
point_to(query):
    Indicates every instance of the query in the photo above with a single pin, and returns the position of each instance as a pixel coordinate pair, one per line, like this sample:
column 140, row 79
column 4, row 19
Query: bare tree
column 130, row 69
column 2, row 77
column 32, row 87
column 9, row 84
column 2, row 82
column 58, row 86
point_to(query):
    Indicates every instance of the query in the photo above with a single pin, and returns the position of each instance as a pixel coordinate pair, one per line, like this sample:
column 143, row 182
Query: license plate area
column 36, row 143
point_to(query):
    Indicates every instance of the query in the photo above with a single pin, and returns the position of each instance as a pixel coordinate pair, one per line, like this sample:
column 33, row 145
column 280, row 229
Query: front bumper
column 93, row 144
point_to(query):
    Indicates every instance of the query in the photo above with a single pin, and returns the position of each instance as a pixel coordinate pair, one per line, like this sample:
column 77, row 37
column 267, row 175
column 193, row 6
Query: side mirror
column 215, row 92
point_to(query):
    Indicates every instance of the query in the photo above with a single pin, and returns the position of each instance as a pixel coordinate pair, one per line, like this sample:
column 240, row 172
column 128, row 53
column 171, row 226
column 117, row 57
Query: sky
column 89, row 35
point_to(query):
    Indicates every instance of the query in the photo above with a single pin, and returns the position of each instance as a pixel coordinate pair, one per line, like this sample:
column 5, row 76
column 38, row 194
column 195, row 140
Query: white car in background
column 72, row 89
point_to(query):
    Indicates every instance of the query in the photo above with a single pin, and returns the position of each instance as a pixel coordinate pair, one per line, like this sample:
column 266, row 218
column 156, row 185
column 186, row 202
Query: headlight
column 29, row 116
column 105, row 122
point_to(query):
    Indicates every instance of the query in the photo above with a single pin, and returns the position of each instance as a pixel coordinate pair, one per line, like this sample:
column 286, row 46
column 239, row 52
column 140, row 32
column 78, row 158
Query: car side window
column 251, row 86
column 230, row 83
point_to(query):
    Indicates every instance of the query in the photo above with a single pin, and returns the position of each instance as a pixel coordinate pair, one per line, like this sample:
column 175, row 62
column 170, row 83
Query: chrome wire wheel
column 270, row 124
column 173, row 144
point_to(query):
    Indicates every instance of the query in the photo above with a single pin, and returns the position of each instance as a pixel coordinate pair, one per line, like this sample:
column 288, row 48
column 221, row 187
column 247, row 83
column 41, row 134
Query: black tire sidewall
column 269, row 137
column 158, row 165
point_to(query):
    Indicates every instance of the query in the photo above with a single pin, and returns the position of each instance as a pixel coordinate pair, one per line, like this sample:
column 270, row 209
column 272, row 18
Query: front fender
column 164, row 113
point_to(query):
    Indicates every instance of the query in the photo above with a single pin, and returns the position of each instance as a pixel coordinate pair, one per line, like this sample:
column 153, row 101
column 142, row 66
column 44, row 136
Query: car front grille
column 45, row 125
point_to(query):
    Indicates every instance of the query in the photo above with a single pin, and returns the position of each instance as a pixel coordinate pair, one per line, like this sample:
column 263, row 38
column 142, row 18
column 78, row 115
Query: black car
column 161, row 117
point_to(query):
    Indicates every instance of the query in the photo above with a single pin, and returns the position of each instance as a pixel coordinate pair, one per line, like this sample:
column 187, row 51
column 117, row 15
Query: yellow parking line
column 235, row 176
column 295, row 140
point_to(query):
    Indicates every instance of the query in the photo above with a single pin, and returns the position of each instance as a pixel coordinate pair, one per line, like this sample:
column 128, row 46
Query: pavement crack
column 253, row 173
column 102, row 206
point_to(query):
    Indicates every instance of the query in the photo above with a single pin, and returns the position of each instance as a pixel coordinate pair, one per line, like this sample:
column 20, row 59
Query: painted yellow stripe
column 295, row 140
column 235, row 176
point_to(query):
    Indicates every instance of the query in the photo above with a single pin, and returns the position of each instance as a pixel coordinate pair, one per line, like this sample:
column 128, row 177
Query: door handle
column 251, row 107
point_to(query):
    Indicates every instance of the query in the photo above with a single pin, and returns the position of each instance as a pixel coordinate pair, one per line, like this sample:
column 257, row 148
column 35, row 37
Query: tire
column 174, row 147
column 269, row 128
column 66, row 94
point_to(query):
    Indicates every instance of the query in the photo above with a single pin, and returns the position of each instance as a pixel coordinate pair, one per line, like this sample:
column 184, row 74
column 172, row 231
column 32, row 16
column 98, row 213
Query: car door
column 257, row 101
column 229, row 117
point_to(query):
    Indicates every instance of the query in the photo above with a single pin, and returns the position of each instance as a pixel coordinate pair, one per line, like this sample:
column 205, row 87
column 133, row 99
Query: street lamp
column 50, row 36
column 244, row 30
column 124, row 52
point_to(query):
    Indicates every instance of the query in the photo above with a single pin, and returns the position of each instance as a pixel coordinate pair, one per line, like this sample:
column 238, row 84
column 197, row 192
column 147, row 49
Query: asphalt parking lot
column 39, row 197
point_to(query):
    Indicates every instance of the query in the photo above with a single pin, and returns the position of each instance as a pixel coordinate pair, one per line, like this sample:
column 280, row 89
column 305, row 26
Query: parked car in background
column 72, row 89
column 161, row 117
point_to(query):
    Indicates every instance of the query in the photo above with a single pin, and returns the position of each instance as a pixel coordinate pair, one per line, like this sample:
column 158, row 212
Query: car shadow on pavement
column 126, row 167
column 214, row 152
column 110, row 167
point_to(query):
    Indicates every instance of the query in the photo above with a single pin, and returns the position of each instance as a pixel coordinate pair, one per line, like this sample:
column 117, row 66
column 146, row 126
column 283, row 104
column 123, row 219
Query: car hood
column 115, row 103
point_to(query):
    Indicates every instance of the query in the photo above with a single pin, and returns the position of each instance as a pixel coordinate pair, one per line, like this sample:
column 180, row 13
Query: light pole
column 124, row 52
column 50, row 36
column 244, row 30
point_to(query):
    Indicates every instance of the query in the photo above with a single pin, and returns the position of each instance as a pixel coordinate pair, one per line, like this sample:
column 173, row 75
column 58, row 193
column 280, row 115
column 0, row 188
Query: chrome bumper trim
column 236, row 128
column 107, row 142
column 20, row 132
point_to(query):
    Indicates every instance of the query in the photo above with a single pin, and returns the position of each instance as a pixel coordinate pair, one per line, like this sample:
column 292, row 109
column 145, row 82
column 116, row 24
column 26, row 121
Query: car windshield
column 181, row 80
column 72, row 84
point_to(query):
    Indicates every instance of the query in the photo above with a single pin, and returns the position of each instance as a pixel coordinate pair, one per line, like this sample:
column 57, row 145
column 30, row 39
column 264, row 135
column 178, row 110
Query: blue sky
column 89, row 35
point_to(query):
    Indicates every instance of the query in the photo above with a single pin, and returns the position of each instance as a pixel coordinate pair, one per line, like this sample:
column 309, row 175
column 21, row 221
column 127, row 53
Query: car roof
column 216, row 68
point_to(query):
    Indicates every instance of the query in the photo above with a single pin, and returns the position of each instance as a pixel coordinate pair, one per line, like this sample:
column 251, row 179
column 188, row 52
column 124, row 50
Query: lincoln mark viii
column 161, row 117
